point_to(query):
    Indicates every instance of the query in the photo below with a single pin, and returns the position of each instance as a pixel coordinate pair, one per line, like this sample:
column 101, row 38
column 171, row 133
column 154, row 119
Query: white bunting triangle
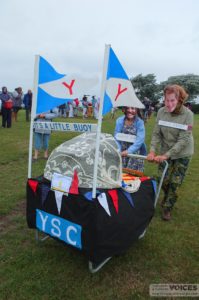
column 103, row 202
column 58, row 198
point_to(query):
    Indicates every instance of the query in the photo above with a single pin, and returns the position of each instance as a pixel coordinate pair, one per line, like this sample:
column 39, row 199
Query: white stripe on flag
column 69, row 87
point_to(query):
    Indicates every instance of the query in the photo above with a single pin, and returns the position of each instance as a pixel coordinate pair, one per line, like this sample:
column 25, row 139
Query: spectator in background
column 17, row 101
column 71, row 113
column 151, row 110
column 146, row 103
column 62, row 110
column 42, row 136
column 130, row 135
column 27, row 101
column 85, row 107
column 158, row 105
column 96, row 108
column 113, row 112
column 172, row 140
column 75, row 107
column 93, row 101
column 188, row 105
column 67, row 109
column 6, row 108
column 89, row 109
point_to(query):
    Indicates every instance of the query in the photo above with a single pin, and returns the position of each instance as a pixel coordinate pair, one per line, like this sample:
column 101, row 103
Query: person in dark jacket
column 27, row 101
column 6, row 109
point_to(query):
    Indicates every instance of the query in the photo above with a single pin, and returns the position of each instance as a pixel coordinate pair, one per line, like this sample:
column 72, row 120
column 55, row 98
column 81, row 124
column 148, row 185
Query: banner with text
column 61, row 126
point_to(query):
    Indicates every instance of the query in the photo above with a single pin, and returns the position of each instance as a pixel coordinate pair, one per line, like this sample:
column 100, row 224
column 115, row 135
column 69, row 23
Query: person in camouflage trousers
column 172, row 139
column 173, row 179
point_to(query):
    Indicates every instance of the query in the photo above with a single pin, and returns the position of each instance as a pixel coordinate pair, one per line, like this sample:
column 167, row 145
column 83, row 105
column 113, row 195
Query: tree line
column 147, row 86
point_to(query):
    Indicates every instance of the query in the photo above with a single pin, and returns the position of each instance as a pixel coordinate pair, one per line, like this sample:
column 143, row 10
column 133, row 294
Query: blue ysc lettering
column 55, row 226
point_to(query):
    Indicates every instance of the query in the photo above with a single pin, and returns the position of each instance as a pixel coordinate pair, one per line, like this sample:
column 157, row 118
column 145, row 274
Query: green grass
column 167, row 254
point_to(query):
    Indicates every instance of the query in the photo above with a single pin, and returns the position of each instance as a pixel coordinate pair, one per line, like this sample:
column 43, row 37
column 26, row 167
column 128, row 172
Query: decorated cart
column 60, row 202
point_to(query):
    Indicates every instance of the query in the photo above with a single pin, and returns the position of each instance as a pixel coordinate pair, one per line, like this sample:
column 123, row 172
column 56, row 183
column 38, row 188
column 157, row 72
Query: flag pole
column 99, row 125
column 33, row 113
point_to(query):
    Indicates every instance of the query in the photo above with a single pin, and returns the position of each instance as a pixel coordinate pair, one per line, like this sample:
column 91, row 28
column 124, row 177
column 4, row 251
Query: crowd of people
column 13, row 102
column 85, row 108
column 172, row 138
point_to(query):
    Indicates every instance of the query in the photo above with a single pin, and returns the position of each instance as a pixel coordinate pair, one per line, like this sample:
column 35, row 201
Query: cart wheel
column 142, row 234
column 94, row 267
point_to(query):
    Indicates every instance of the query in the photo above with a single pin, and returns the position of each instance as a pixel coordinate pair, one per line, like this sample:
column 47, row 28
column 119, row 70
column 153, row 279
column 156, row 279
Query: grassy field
column 169, row 252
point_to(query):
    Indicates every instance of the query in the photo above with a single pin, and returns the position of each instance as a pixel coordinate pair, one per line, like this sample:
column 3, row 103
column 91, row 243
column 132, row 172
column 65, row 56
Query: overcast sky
column 148, row 36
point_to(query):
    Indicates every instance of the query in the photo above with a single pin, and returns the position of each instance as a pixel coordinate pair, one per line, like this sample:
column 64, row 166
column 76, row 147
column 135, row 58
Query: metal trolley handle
column 162, row 177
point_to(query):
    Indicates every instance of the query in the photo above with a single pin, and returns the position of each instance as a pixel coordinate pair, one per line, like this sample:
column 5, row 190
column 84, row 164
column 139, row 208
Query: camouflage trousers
column 173, row 179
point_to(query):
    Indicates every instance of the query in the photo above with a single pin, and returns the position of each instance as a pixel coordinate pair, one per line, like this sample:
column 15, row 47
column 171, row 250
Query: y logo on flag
column 69, row 86
column 120, row 91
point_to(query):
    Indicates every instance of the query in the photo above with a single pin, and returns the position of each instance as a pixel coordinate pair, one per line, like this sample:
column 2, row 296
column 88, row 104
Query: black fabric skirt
column 83, row 223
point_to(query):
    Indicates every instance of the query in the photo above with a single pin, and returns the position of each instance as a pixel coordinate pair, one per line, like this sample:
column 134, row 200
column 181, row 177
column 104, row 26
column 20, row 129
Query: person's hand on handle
column 150, row 157
column 124, row 153
column 160, row 158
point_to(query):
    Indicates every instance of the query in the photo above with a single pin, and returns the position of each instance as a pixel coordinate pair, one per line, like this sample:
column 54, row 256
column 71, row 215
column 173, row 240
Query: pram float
column 101, row 227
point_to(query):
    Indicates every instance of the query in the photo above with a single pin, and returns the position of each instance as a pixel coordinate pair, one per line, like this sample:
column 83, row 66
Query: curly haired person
column 172, row 140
